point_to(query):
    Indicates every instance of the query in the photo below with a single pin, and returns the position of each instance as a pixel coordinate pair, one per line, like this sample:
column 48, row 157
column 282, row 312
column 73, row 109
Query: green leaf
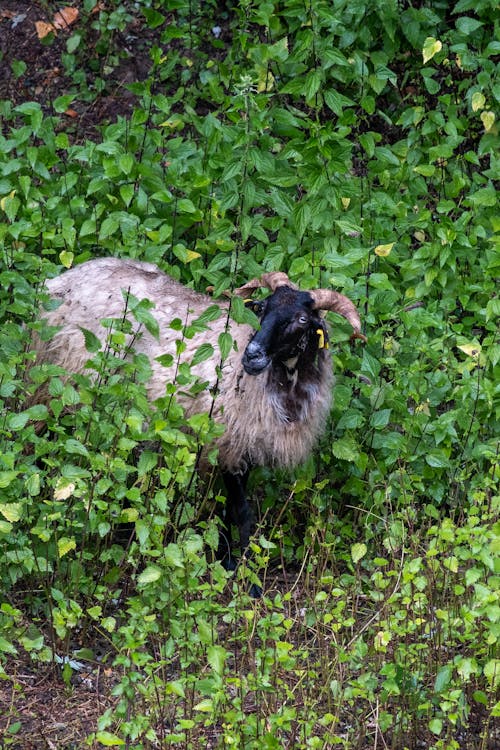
column 73, row 43
column 337, row 101
column 143, row 531
column 92, row 342
column 153, row 17
column 62, row 103
column 436, row 726
column 7, row 477
column 175, row 687
column 468, row 25
column 225, row 342
column 483, row 197
column 74, row 446
column 302, row 217
column 109, row 226
column 147, row 462
column 312, row 83
column 345, row 448
column 127, row 193
column 126, row 163
column 18, row 421
column 437, row 459
column 149, row 575
column 217, row 656
column 173, row 556
column 204, row 352
column 443, row 678
column 7, row 647
column 32, row 484
column 141, row 311
column 380, row 419
column 88, row 227
column 186, row 206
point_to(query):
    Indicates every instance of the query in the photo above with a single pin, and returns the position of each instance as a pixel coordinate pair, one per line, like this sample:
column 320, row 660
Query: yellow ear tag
column 321, row 343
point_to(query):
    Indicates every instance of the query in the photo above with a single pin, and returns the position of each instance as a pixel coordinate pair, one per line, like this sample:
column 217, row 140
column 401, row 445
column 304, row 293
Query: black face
column 288, row 325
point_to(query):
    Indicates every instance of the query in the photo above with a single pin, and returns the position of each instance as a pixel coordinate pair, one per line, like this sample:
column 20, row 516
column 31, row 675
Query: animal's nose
column 255, row 358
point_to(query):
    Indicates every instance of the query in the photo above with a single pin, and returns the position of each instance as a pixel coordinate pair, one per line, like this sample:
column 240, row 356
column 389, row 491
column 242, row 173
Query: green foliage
column 353, row 145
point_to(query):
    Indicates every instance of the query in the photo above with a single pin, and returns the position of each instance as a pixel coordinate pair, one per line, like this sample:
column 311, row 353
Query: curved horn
column 326, row 299
column 271, row 280
column 274, row 279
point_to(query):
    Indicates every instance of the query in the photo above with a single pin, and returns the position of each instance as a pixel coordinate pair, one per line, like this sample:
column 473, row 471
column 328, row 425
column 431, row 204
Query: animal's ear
column 247, row 289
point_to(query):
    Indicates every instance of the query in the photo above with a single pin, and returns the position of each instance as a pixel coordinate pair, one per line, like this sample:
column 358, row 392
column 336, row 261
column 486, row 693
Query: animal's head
column 290, row 321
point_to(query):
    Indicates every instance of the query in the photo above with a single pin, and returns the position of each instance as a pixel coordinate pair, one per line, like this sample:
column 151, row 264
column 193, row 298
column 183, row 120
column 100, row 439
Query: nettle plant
column 88, row 458
column 352, row 145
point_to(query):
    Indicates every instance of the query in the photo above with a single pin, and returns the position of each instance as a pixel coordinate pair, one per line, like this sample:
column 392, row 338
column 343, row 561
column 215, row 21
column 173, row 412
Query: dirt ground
column 43, row 78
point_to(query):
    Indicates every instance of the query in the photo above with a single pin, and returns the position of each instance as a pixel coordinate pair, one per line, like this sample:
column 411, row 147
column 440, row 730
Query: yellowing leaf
column 63, row 490
column 345, row 202
column 65, row 545
column 66, row 258
column 11, row 511
column 43, row 29
column 265, row 80
column 384, row 250
column 109, row 740
column 174, row 123
column 431, row 47
column 472, row 350
column 191, row 255
column 65, row 17
column 358, row 551
column 488, row 119
column 129, row 515
column 382, row 640
column 5, row 198
column 423, row 408
column 478, row 101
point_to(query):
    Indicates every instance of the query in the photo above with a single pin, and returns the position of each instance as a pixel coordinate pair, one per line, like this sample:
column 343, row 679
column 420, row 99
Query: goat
column 273, row 391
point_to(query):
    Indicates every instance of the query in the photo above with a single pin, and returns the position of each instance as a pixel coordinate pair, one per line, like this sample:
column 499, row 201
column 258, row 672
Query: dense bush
column 353, row 145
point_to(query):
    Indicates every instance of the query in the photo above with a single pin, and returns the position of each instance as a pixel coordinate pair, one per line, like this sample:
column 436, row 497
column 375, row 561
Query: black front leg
column 238, row 511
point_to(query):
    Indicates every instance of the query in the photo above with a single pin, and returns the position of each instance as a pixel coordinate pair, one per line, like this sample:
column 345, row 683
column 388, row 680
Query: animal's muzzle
column 255, row 359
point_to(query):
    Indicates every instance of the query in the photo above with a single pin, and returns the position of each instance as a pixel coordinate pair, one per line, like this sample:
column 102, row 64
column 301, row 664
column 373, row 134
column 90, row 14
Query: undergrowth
column 353, row 145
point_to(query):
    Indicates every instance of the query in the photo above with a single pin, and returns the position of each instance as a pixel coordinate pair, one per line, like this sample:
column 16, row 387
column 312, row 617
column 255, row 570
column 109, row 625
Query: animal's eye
column 255, row 307
column 302, row 319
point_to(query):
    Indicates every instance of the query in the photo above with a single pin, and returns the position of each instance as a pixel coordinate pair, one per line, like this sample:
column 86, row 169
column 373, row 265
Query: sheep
column 273, row 391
